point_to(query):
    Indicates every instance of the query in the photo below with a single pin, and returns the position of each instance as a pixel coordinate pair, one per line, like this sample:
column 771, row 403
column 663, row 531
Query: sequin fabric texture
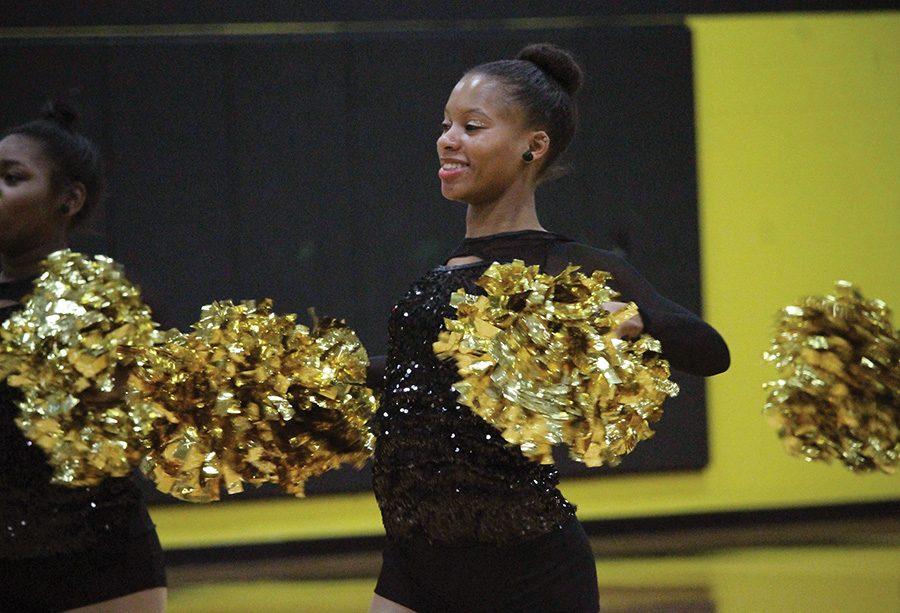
column 38, row 519
column 441, row 472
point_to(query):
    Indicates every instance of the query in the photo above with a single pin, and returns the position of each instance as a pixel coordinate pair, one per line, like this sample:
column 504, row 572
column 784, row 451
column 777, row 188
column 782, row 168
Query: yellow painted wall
column 798, row 121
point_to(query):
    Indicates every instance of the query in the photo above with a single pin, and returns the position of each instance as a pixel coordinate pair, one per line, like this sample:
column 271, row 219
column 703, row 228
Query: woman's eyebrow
column 476, row 110
column 6, row 163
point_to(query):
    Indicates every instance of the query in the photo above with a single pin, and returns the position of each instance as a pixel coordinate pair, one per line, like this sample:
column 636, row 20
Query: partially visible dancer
column 472, row 524
column 61, row 548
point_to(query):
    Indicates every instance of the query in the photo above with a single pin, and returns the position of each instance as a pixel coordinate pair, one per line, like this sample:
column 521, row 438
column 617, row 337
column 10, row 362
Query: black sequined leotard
column 441, row 472
column 38, row 519
column 440, row 469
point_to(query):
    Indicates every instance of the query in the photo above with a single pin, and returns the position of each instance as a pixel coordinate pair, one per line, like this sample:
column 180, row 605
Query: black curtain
column 303, row 168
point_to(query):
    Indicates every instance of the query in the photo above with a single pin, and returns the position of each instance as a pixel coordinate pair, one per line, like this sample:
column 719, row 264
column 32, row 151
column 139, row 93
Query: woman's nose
column 448, row 141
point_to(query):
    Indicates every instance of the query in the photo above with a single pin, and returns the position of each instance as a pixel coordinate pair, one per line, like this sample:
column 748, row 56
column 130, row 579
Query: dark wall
column 108, row 12
column 303, row 168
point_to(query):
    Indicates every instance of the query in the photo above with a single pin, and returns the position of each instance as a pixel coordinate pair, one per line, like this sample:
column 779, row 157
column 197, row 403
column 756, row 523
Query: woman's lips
column 451, row 170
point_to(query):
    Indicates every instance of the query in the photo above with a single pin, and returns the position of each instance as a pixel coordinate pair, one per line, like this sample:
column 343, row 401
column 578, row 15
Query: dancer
column 472, row 525
column 60, row 548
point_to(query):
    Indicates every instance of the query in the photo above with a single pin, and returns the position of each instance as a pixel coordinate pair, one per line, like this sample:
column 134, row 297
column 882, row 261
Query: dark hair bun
column 556, row 62
column 61, row 114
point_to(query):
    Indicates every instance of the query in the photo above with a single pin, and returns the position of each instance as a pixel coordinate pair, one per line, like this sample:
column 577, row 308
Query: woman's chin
column 456, row 195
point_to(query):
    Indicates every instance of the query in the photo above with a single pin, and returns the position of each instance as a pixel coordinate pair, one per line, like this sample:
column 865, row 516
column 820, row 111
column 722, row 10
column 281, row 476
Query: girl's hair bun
column 557, row 63
column 61, row 114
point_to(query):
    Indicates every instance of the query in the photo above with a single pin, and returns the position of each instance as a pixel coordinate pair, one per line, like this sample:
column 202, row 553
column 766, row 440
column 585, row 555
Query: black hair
column 74, row 158
column 543, row 81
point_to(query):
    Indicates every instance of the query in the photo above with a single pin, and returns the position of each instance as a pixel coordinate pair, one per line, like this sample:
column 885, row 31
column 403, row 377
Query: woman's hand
column 631, row 328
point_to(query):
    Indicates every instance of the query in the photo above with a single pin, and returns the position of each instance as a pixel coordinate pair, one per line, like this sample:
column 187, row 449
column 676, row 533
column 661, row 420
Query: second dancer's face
column 27, row 212
column 481, row 142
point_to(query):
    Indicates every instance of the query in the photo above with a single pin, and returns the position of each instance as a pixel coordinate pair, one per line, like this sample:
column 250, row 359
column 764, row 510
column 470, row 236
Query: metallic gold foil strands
column 252, row 397
column 837, row 396
column 538, row 360
column 61, row 350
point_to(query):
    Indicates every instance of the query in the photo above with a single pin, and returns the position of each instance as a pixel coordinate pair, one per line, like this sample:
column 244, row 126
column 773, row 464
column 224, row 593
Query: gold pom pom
column 538, row 360
column 838, row 392
column 252, row 397
column 61, row 349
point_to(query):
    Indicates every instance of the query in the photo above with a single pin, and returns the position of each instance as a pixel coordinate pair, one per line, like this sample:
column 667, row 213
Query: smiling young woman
column 91, row 548
column 472, row 525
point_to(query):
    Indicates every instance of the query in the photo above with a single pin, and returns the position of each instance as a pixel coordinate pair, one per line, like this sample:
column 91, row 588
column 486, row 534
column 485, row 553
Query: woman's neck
column 513, row 211
column 27, row 263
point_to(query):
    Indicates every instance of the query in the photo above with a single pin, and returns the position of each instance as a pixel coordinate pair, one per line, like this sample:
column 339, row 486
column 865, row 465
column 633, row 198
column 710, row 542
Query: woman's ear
column 73, row 199
column 539, row 144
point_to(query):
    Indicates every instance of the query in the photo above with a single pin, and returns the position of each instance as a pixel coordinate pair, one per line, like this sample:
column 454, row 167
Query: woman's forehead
column 481, row 93
column 22, row 149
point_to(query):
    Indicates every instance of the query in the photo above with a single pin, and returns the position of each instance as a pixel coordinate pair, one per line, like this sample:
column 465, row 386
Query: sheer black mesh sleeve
column 689, row 343
column 375, row 374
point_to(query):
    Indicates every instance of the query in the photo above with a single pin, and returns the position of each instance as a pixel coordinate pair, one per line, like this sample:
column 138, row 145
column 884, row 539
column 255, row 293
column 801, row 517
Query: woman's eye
column 445, row 126
column 12, row 179
column 472, row 127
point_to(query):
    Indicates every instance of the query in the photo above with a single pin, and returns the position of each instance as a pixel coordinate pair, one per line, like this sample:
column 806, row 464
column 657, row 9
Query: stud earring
column 528, row 156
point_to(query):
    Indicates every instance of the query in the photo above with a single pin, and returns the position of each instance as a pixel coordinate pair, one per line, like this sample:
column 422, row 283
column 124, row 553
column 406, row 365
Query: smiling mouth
column 451, row 170
column 453, row 166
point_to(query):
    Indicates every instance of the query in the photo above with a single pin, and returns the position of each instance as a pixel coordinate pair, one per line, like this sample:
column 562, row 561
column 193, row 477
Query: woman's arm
column 689, row 343
column 375, row 374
